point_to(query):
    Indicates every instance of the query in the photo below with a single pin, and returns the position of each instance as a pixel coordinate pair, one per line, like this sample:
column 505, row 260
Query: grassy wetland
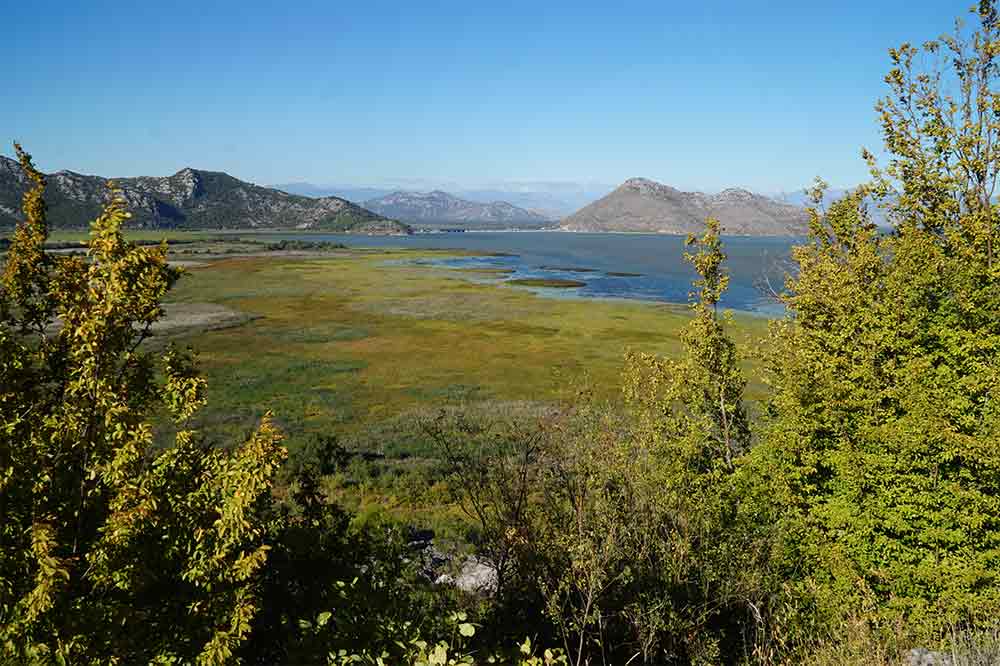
column 366, row 344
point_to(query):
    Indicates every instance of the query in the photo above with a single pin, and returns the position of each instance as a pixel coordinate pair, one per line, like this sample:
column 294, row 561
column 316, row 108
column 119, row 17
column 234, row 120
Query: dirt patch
column 186, row 317
column 204, row 316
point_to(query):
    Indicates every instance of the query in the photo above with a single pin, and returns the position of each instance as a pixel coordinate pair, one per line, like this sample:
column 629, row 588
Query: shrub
column 113, row 550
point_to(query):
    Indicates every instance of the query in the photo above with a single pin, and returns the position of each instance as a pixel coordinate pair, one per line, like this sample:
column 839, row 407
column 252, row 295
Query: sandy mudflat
column 205, row 316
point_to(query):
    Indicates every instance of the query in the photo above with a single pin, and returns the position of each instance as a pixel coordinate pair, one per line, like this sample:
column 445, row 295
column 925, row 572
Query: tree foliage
column 865, row 504
column 883, row 433
column 114, row 551
column 621, row 523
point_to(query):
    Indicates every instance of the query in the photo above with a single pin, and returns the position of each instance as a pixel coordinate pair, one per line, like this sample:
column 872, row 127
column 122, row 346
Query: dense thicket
column 857, row 516
column 882, row 436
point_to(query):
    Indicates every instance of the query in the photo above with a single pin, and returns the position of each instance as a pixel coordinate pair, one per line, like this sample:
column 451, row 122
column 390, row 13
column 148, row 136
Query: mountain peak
column 640, row 204
column 647, row 187
column 190, row 198
column 736, row 194
column 639, row 182
column 440, row 207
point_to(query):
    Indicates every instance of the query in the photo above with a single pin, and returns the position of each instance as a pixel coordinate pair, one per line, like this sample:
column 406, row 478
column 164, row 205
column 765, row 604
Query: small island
column 554, row 283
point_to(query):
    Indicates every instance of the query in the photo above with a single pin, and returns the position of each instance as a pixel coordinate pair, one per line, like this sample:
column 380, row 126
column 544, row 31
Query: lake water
column 658, row 259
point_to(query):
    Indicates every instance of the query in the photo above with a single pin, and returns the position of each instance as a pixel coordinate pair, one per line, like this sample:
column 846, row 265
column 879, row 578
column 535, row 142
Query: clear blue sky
column 702, row 94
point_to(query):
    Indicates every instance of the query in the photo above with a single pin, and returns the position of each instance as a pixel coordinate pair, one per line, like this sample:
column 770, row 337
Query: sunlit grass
column 354, row 344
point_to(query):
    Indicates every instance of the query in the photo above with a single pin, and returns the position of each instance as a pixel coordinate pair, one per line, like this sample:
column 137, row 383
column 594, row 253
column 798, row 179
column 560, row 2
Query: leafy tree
column 333, row 588
column 494, row 464
column 884, row 422
column 689, row 432
column 624, row 521
column 697, row 401
column 113, row 551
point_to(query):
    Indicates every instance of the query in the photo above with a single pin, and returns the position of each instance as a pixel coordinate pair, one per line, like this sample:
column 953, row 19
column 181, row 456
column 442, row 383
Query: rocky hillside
column 189, row 199
column 645, row 205
column 440, row 207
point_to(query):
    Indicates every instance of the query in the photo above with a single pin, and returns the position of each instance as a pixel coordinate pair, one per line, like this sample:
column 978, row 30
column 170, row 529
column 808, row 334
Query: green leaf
column 439, row 655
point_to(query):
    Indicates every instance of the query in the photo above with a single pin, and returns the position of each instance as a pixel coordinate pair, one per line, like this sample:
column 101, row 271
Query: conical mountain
column 643, row 205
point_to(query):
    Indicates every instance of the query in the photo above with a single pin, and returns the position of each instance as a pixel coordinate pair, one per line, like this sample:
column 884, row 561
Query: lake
column 657, row 260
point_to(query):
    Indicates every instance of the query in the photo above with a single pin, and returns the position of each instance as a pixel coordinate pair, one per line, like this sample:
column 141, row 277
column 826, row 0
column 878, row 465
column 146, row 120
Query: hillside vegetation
column 189, row 199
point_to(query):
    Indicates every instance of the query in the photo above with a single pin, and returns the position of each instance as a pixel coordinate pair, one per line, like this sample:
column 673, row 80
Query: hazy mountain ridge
column 877, row 210
column 640, row 204
column 190, row 198
column 349, row 192
column 550, row 199
column 438, row 207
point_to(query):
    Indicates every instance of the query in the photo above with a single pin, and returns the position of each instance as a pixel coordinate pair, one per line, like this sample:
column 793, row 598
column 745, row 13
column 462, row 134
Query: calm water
column 658, row 258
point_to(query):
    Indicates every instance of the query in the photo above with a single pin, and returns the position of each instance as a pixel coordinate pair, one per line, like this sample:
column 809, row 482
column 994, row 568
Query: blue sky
column 701, row 94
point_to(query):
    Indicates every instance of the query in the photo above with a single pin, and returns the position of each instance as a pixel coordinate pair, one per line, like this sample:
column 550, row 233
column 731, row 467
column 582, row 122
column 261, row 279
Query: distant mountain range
column 552, row 200
column 640, row 204
column 876, row 211
column 190, row 198
column 349, row 192
column 197, row 199
column 439, row 207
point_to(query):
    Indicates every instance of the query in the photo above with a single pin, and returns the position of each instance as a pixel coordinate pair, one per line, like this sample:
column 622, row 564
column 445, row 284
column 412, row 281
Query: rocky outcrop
column 190, row 198
column 471, row 574
column 475, row 576
column 925, row 657
column 644, row 205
